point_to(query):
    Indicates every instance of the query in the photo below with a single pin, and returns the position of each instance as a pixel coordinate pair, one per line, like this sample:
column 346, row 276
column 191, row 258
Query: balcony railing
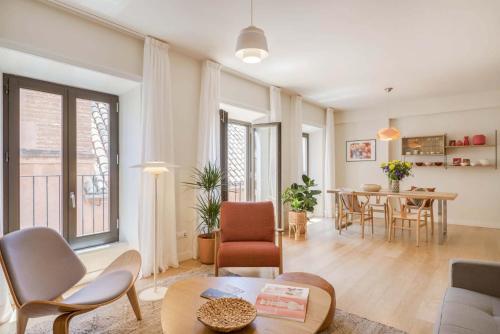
column 41, row 202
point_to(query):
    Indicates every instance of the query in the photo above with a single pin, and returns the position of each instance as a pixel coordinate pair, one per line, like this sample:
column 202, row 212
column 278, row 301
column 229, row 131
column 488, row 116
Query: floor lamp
column 154, row 168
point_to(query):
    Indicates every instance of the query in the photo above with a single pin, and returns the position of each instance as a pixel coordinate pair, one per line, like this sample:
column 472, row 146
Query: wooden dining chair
column 414, row 204
column 380, row 206
column 398, row 210
column 40, row 267
column 351, row 207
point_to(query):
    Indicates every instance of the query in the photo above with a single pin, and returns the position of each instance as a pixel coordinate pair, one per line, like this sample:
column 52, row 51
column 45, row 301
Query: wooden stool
column 314, row 280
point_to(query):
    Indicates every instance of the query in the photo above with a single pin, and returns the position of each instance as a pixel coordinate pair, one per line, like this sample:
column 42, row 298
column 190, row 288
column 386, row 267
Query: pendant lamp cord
column 251, row 12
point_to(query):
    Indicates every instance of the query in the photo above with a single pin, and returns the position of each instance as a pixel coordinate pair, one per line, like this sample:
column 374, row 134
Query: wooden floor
column 394, row 283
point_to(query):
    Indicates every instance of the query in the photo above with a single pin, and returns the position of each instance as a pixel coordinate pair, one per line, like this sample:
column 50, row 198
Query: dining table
column 441, row 198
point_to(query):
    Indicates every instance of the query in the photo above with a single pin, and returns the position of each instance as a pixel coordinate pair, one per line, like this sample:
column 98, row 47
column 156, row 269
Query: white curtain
column 208, row 122
column 157, row 145
column 208, row 118
column 274, row 116
column 329, row 167
column 294, row 140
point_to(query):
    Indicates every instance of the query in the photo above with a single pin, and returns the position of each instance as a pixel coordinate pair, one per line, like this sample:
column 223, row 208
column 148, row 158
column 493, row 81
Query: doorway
column 251, row 162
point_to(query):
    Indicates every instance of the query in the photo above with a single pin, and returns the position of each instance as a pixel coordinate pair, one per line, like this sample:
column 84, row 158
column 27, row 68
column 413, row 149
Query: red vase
column 479, row 140
column 466, row 140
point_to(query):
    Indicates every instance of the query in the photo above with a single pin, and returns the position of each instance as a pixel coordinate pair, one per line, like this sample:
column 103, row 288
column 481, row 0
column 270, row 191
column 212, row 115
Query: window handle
column 73, row 199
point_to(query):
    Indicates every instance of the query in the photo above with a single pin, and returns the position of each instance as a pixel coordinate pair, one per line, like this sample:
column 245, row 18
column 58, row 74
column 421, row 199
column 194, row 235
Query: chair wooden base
column 418, row 224
column 130, row 261
column 363, row 219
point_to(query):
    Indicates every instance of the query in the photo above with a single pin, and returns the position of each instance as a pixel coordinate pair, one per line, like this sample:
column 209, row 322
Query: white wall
column 353, row 174
column 43, row 30
column 186, row 76
column 478, row 189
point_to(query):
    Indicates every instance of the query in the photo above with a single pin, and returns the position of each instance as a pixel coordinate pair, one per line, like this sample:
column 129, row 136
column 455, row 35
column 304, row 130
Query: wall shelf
column 469, row 146
column 421, row 146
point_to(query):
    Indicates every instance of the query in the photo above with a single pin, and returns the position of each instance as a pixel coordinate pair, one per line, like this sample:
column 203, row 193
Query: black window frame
column 11, row 126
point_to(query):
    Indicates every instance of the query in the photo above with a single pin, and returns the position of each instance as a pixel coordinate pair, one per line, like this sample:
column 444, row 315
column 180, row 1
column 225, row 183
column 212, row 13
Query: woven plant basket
column 299, row 219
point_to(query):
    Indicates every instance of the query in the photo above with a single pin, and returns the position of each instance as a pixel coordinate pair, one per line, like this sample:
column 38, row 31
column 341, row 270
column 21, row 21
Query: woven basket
column 226, row 314
column 298, row 219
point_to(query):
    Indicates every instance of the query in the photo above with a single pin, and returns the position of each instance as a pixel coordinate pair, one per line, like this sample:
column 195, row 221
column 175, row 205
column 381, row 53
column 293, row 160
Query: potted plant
column 301, row 199
column 396, row 170
column 208, row 184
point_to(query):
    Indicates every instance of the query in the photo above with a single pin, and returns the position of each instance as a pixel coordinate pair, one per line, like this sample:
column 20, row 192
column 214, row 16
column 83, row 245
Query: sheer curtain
column 329, row 167
column 208, row 117
column 157, row 145
column 208, row 122
column 294, row 140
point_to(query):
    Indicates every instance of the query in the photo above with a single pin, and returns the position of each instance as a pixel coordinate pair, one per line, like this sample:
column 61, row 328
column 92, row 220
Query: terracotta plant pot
column 299, row 218
column 206, row 248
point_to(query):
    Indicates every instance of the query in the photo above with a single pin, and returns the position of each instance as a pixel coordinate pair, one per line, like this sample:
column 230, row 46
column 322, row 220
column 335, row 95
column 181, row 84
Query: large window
column 60, row 160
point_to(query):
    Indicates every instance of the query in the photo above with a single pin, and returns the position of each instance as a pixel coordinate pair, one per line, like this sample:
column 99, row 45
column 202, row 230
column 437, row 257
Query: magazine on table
column 226, row 291
column 283, row 301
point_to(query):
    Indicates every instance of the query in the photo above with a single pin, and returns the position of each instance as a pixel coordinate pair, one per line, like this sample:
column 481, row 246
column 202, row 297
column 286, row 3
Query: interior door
column 266, row 171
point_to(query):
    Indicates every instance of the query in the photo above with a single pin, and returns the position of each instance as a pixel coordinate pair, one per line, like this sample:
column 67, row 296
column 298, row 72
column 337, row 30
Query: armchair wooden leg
column 216, row 273
column 132, row 297
column 61, row 324
column 21, row 323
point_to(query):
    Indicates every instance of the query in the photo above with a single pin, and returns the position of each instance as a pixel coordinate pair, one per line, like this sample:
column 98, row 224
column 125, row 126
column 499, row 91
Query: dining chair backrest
column 395, row 203
column 417, row 202
column 350, row 202
column 39, row 264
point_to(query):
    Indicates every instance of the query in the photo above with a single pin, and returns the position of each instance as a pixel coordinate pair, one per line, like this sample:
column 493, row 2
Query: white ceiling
column 339, row 53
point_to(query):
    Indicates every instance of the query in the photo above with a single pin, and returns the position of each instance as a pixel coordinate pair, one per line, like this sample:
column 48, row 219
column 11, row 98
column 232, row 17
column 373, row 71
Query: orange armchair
column 247, row 237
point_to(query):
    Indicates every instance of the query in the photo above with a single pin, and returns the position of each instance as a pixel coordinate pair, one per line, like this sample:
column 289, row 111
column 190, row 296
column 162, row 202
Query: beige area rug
column 119, row 318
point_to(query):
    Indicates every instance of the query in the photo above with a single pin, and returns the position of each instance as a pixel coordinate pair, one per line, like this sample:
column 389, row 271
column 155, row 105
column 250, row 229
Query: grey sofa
column 472, row 303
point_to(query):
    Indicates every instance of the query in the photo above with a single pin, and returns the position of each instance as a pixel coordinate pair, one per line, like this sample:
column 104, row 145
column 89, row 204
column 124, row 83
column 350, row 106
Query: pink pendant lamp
column 388, row 134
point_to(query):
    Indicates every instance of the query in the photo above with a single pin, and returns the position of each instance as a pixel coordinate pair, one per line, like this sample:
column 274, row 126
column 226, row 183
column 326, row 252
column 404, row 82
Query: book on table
column 283, row 301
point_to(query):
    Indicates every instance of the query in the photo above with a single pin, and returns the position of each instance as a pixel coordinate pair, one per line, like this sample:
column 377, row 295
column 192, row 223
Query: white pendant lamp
column 251, row 46
column 388, row 134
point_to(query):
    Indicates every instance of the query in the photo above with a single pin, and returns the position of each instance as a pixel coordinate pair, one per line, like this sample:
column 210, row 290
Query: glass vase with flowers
column 396, row 170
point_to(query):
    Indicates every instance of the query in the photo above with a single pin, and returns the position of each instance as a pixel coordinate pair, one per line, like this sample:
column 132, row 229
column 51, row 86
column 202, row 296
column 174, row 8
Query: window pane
column 237, row 162
column 92, row 141
column 40, row 159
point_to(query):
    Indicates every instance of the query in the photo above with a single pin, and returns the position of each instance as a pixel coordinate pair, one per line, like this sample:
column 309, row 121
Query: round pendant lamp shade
column 387, row 134
column 251, row 46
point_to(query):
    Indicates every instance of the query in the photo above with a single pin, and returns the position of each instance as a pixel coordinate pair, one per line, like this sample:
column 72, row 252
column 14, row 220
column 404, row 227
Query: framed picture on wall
column 361, row 150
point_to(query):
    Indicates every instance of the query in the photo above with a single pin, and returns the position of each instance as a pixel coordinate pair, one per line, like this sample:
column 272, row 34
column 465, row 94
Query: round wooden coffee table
column 178, row 313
